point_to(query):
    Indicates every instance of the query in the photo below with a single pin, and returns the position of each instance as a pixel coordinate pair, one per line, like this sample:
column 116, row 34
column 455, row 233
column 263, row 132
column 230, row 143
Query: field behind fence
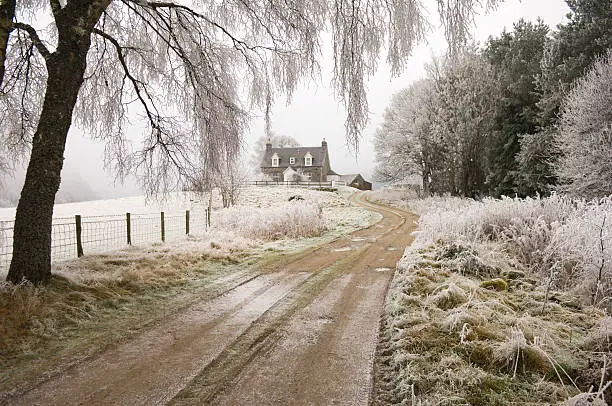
column 72, row 237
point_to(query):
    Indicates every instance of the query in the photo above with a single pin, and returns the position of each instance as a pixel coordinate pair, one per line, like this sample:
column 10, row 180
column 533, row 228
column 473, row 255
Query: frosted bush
column 494, row 219
column 436, row 203
column 582, row 248
column 286, row 220
column 559, row 236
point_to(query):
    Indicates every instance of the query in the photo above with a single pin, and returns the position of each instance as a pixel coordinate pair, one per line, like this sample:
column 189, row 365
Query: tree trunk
column 7, row 12
column 33, row 220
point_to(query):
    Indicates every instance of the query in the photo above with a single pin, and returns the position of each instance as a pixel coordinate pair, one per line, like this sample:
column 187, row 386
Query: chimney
column 324, row 143
column 268, row 144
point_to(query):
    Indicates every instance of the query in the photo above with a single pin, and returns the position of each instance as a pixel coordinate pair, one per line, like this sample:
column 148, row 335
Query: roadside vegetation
column 504, row 300
column 99, row 300
column 499, row 302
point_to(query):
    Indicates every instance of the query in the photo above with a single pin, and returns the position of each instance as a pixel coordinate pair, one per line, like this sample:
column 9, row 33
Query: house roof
column 318, row 156
column 349, row 178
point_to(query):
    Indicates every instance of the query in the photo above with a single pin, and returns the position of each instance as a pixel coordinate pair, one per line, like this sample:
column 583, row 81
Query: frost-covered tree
column 468, row 98
column 535, row 160
column 584, row 136
column 398, row 139
column 440, row 128
column 259, row 148
column 571, row 51
column 567, row 56
column 230, row 182
column 182, row 66
column 405, row 143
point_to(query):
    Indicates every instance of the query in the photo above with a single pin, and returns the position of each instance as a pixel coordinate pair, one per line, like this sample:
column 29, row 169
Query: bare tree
column 259, row 149
column 182, row 66
column 230, row 182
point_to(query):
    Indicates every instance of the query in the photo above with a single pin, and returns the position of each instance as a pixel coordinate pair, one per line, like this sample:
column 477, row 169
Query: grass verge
column 460, row 330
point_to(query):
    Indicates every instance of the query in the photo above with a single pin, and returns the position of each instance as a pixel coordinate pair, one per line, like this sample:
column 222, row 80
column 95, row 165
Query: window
column 276, row 176
column 292, row 161
column 308, row 176
column 308, row 159
column 275, row 160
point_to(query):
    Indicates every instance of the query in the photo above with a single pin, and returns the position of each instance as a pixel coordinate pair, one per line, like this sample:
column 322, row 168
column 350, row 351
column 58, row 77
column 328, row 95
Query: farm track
column 301, row 330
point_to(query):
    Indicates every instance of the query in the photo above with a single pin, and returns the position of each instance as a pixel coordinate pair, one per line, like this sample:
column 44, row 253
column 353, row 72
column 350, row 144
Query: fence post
column 163, row 228
column 187, row 222
column 79, row 241
column 208, row 216
column 128, row 222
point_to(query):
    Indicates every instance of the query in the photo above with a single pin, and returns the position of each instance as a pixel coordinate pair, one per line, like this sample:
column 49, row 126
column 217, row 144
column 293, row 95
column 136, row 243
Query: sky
column 314, row 113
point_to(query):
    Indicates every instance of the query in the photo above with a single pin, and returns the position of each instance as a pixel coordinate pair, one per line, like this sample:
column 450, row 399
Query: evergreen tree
column 516, row 57
column 571, row 51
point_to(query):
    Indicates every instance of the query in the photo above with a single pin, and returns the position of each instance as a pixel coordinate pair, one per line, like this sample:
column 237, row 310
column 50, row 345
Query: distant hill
column 72, row 188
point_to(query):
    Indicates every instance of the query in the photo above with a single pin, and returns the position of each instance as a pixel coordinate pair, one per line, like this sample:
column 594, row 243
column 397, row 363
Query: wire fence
column 73, row 237
column 297, row 183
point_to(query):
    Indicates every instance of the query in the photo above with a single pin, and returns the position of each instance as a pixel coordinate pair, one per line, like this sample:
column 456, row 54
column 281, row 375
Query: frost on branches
column 440, row 128
column 585, row 134
column 183, row 67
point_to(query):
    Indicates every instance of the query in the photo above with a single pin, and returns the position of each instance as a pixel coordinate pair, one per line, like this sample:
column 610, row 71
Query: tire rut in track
column 260, row 337
column 273, row 362
column 156, row 365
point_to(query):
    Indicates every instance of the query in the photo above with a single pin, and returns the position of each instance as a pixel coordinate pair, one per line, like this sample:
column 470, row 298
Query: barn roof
column 318, row 156
column 349, row 178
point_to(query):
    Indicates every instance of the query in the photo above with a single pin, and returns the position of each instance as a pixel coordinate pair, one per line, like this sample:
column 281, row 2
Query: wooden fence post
column 79, row 241
column 163, row 228
column 187, row 222
column 128, row 222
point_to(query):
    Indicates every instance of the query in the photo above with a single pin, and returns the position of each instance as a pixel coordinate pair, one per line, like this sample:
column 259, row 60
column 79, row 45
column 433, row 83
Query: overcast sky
column 314, row 113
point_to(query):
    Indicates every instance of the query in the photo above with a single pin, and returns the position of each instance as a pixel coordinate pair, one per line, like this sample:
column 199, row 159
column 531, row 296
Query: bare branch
column 40, row 46
column 56, row 7
column 135, row 82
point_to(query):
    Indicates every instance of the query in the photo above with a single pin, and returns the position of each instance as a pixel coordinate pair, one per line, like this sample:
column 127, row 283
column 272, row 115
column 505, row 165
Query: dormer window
column 275, row 160
column 308, row 159
column 292, row 160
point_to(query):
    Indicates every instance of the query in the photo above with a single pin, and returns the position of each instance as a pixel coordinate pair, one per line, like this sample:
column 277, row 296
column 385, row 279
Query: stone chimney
column 268, row 144
column 324, row 143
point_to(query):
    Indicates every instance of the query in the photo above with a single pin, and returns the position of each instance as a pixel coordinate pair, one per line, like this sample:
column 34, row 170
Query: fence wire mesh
column 106, row 233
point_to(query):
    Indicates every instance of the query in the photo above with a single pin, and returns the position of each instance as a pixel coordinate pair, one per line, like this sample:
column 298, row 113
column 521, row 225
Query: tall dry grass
column 560, row 240
column 285, row 220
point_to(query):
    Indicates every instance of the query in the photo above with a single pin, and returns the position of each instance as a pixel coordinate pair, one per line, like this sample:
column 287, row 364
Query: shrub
column 288, row 220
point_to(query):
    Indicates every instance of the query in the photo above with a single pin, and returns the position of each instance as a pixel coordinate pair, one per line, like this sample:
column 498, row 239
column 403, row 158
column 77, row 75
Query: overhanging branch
column 135, row 82
column 40, row 46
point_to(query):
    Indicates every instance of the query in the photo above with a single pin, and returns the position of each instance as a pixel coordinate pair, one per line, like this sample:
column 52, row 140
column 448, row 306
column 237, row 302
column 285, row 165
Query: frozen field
column 262, row 215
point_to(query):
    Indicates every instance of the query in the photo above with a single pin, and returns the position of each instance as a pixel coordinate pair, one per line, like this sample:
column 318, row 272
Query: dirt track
column 303, row 331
